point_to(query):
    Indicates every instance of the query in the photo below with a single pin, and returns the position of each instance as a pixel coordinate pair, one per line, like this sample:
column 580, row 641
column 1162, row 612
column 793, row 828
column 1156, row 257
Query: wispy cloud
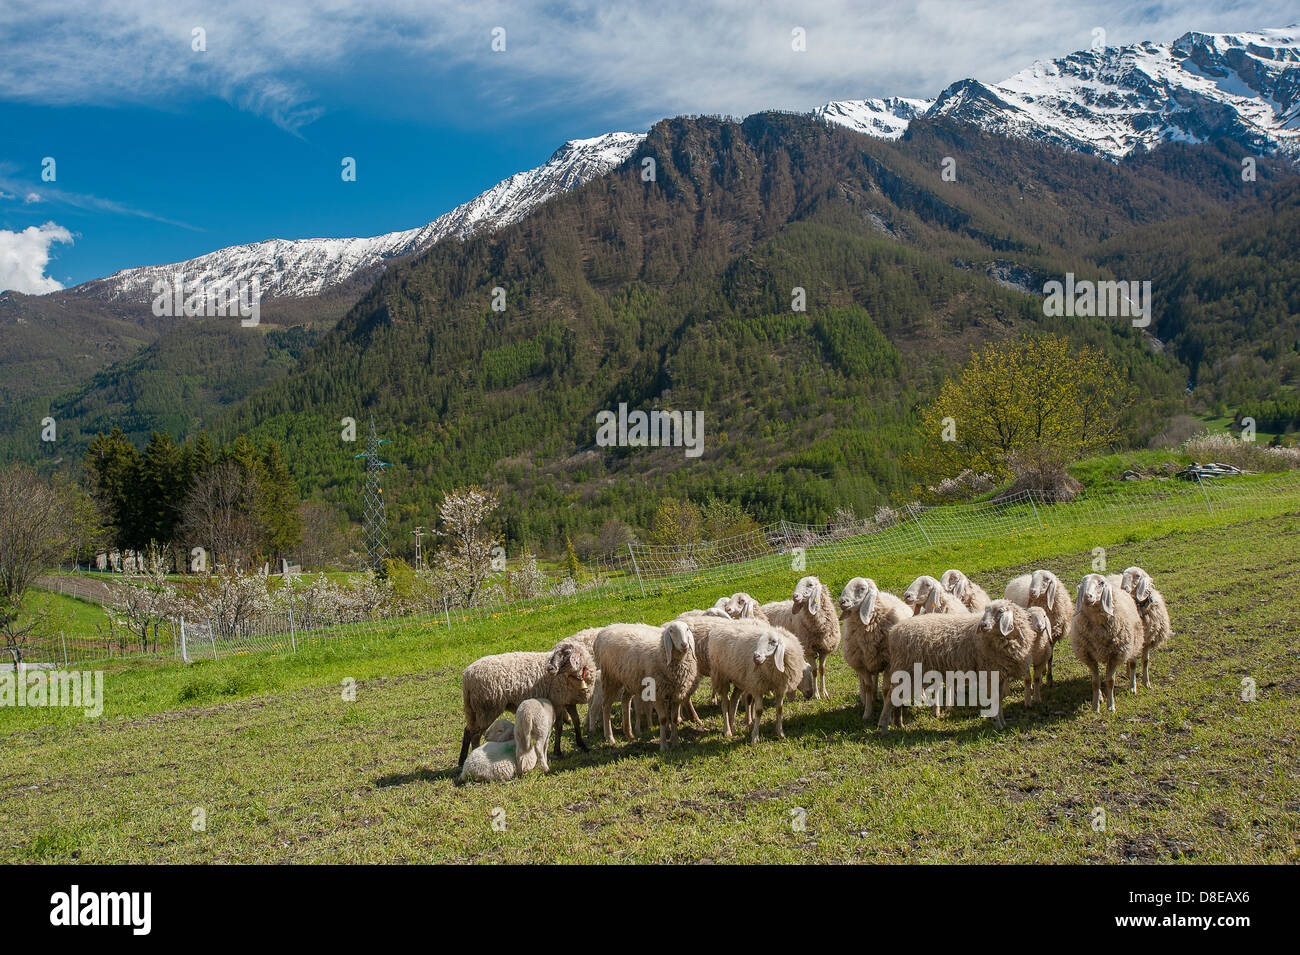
column 44, row 194
column 25, row 255
column 645, row 59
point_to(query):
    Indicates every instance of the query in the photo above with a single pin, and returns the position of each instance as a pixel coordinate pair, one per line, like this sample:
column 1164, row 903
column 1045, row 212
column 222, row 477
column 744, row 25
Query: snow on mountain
column 1111, row 101
column 301, row 267
column 884, row 118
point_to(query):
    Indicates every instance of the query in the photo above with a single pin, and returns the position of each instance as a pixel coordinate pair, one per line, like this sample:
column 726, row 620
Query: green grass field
column 287, row 770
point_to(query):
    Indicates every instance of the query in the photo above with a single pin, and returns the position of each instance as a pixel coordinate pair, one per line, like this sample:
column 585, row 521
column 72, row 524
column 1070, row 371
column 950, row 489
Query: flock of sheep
column 750, row 651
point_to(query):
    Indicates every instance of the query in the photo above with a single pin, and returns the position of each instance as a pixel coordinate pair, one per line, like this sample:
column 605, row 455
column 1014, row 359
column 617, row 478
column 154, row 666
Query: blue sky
column 164, row 152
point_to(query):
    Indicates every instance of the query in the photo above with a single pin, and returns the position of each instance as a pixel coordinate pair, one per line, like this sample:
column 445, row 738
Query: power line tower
column 375, row 530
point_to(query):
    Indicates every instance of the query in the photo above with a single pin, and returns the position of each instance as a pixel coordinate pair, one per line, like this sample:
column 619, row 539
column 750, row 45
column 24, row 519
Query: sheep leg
column 577, row 728
column 605, row 701
column 886, row 715
column 780, row 726
column 1028, row 677
column 559, row 729
column 867, row 695
column 758, row 716
column 1133, row 676
column 627, row 718
column 690, row 708
column 1146, row 667
column 1096, row 688
column 464, row 745
column 724, row 693
column 1109, row 683
column 665, row 717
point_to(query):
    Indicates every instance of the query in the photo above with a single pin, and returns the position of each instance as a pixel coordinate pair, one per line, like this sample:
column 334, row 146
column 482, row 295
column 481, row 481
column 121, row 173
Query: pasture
column 286, row 769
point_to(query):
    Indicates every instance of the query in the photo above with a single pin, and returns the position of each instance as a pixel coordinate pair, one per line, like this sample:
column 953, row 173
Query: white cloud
column 25, row 255
column 32, row 197
column 645, row 60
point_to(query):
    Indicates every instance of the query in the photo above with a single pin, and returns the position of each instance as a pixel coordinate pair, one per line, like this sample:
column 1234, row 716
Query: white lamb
column 971, row 594
column 1107, row 633
column 494, row 761
column 1044, row 589
column 1156, row 626
column 533, row 722
column 868, row 614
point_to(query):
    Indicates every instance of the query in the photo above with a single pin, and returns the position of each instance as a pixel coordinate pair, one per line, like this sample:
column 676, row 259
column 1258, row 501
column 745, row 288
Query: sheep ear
column 1108, row 599
column 688, row 641
column 751, row 607
column 667, row 639
column 962, row 586
column 1142, row 589
column 1006, row 622
column 1083, row 590
column 780, row 655
column 867, row 606
column 1051, row 593
column 815, row 601
column 553, row 665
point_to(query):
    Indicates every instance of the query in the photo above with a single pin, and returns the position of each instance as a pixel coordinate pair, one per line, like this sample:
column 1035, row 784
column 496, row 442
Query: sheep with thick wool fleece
column 996, row 640
column 629, row 655
column 1044, row 589
column 1106, row 633
column 810, row 616
column 926, row 595
column 1044, row 647
column 492, row 685
column 868, row 614
column 752, row 660
column 1156, row 625
column 533, row 722
column 494, row 761
column 973, row 597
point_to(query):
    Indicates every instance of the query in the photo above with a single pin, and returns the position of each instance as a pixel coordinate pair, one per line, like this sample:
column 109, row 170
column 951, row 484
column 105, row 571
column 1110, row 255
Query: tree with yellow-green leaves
column 1026, row 404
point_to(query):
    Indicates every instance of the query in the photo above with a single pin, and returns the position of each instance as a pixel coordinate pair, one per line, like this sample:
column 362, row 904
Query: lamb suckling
column 751, row 661
column 973, row 597
column 1044, row 589
column 494, row 761
column 492, row 685
column 1156, row 625
column 867, row 614
column 533, row 722
column 1106, row 633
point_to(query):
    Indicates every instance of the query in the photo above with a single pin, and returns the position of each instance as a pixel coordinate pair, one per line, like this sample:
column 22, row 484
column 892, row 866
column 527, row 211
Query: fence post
column 1204, row 494
column 185, row 652
column 293, row 643
column 1035, row 507
column 64, row 641
column 447, row 612
column 631, row 553
column 919, row 526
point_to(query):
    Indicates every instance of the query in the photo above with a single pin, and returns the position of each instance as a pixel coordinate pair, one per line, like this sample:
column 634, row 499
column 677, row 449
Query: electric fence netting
column 647, row 569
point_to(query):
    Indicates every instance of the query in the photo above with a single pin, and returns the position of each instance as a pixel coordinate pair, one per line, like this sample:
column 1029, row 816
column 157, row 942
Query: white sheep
column 926, row 595
column 751, row 661
column 533, row 722
column 1156, row 626
column 1107, row 633
column 811, row 617
column 867, row 614
column 494, row 761
column 1044, row 589
column 972, row 595
column 659, row 661
column 1044, row 647
column 741, row 606
column 492, row 685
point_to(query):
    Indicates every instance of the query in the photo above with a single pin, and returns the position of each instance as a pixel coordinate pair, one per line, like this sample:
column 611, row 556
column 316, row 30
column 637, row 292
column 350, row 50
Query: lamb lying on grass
column 1107, row 633
column 1044, row 589
column 868, row 614
column 494, row 761
column 1156, row 626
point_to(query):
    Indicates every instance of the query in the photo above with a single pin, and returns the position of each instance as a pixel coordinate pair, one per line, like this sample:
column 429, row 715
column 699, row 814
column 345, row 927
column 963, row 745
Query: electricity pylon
column 375, row 529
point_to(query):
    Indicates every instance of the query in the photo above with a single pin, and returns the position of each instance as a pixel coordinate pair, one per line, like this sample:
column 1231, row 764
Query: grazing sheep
column 1156, row 626
column 868, row 614
column 810, row 616
column 494, row 761
column 972, row 595
column 752, row 661
column 533, row 722
column 494, row 684
column 926, row 595
column 1044, row 589
column 1107, row 633
column 631, row 654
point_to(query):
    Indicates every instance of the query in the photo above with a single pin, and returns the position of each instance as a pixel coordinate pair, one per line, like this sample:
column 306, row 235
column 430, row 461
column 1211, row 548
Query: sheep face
column 574, row 664
column 860, row 593
column 924, row 595
column 1137, row 582
column 741, row 606
column 1038, row 617
column 955, row 582
column 677, row 639
column 1043, row 586
column 806, row 686
column 1096, row 591
column 808, row 596
column 500, row 731
column 997, row 616
column 770, row 647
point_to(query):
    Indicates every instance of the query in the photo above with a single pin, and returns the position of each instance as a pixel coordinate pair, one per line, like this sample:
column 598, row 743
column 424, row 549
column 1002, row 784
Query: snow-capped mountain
column 301, row 267
column 1111, row 101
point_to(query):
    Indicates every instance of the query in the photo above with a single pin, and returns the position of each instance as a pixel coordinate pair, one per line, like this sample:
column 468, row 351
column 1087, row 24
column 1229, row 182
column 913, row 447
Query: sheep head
column 770, row 646
column 1096, row 591
column 859, row 593
column 1137, row 582
column 808, row 596
column 1038, row 617
column 500, row 731
column 677, row 638
column 806, row 682
column 1000, row 616
column 1043, row 587
column 925, row 595
column 573, row 661
column 956, row 583
column 741, row 606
